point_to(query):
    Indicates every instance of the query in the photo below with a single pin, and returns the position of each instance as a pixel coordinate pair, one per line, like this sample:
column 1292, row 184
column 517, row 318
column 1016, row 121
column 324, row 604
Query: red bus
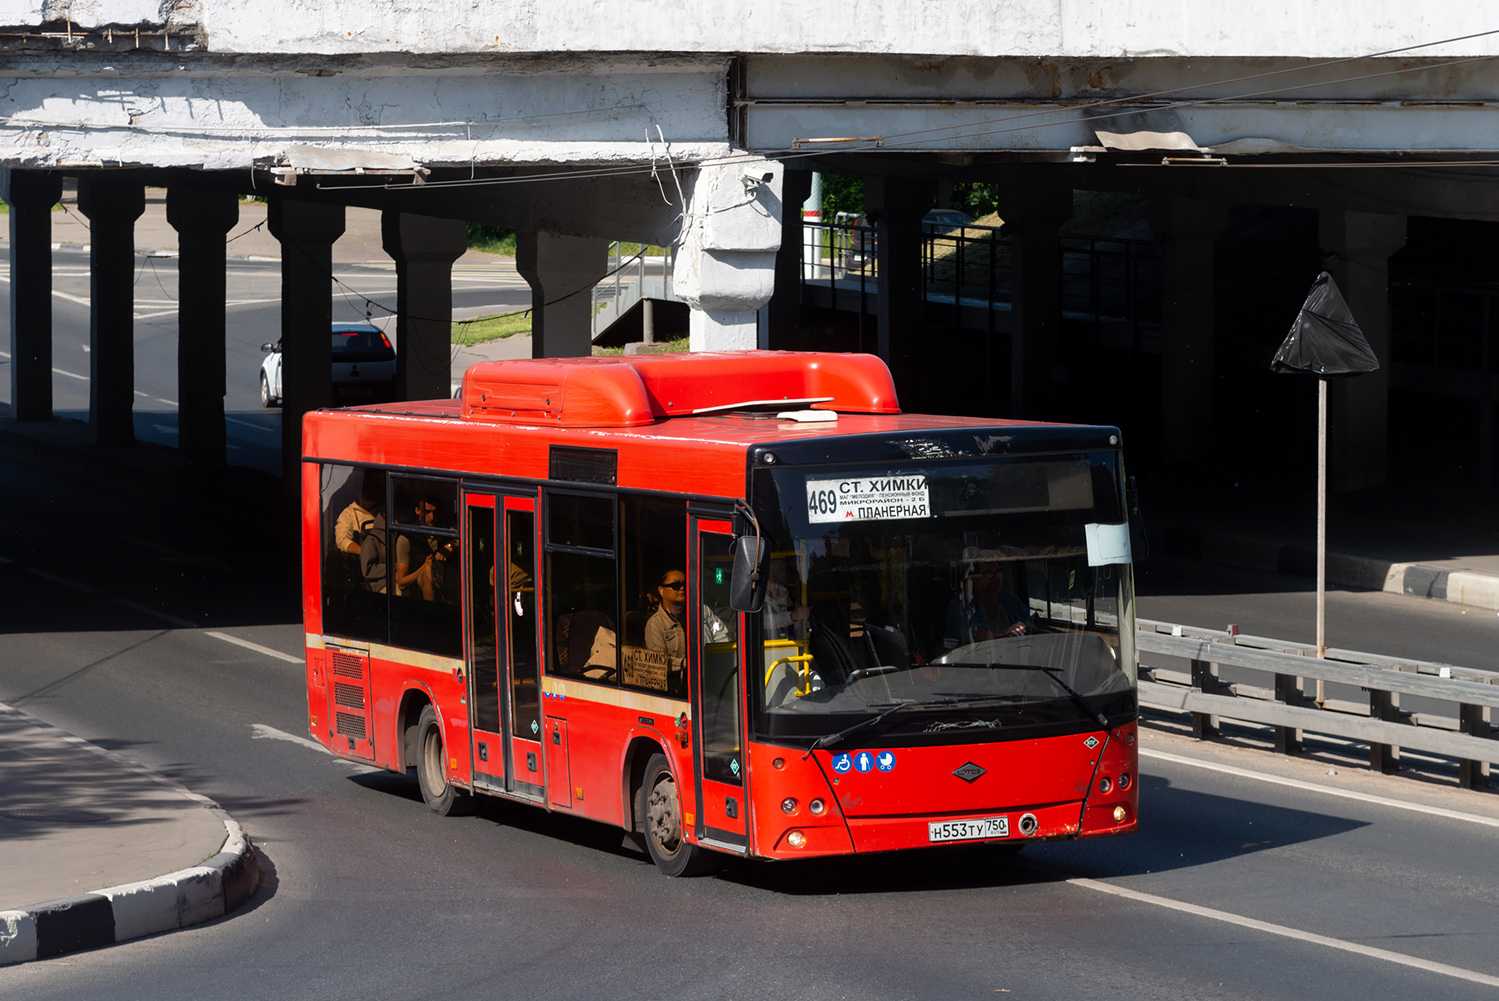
column 736, row 603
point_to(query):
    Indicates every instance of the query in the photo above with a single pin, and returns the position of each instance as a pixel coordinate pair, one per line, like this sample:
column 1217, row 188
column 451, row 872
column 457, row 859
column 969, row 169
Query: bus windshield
column 970, row 597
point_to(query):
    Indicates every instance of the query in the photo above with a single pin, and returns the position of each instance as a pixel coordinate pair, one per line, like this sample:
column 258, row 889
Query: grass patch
column 673, row 345
column 467, row 333
column 491, row 239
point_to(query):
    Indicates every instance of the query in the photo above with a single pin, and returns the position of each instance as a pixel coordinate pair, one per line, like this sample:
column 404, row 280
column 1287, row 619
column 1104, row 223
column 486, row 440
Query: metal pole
column 648, row 321
column 1321, row 526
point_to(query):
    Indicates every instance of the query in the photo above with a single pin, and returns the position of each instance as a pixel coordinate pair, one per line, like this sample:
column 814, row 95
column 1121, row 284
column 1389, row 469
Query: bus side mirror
column 747, row 585
column 1139, row 542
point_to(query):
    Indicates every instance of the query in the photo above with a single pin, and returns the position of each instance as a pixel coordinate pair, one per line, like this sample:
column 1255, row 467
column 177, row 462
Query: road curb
column 1366, row 573
column 176, row 900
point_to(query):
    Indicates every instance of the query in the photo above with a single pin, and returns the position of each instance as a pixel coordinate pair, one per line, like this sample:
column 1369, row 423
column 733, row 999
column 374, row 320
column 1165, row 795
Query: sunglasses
column 677, row 585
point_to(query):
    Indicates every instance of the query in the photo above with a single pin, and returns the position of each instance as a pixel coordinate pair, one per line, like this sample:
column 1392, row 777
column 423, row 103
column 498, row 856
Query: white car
column 364, row 366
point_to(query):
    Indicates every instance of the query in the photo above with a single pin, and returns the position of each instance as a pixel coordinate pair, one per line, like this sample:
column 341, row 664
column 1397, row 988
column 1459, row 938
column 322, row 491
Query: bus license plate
column 968, row 830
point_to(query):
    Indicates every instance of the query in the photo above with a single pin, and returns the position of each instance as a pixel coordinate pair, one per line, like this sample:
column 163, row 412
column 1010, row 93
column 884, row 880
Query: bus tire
column 660, row 812
column 441, row 796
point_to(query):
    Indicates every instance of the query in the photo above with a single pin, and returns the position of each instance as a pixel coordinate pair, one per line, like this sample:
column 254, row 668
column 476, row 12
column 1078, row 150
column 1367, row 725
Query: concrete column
column 1359, row 245
column 562, row 271
column 202, row 220
column 112, row 203
column 31, row 195
column 1033, row 215
column 783, row 313
column 895, row 206
column 1187, row 228
column 424, row 249
column 726, row 259
column 307, row 231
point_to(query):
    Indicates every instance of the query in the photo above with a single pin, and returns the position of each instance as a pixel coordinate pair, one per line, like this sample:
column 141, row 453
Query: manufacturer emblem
column 1091, row 743
column 969, row 772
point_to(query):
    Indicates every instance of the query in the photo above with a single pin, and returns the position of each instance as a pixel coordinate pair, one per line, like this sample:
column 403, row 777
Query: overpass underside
column 1250, row 175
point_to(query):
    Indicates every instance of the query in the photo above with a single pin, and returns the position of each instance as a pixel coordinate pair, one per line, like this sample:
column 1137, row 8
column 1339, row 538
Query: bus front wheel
column 660, row 812
column 440, row 795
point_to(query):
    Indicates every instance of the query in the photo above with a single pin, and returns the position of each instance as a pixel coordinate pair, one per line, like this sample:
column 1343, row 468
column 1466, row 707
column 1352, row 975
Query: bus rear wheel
column 659, row 807
column 440, row 795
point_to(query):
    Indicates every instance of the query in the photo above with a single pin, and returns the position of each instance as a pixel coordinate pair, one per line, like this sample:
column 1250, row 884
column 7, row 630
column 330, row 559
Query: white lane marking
column 159, row 312
column 164, row 429
column 71, row 375
column 1362, row 797
column 170, row 403
column 259, row 731
column 1284, row 931
column 60, row 580
column 257, row 427
column 163, row 616
column 256, row 647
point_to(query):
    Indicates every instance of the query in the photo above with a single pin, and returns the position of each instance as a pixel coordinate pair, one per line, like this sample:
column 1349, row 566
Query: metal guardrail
column 1466, row 735
column 632, row 277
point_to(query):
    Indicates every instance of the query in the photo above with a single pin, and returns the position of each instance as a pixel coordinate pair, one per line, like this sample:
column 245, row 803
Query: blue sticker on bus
column 842, row 762
column 885, row 761
column 864, row 762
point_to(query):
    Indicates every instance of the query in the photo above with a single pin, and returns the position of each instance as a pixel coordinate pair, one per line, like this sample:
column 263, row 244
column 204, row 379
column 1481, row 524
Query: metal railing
column 632, row 277
column 969, row 271
column 1463, row 732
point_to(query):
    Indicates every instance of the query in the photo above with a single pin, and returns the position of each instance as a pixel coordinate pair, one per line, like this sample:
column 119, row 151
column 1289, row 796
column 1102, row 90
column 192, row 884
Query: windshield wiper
column 1054, row 673
column 828, row 739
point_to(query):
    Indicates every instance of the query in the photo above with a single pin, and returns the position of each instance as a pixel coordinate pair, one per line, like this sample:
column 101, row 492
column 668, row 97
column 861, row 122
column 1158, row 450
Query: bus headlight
column 796, row 839
column 1119, row 814
column 1124, row 781
column 788, row 805
column 817, row 806
column 1104, row 785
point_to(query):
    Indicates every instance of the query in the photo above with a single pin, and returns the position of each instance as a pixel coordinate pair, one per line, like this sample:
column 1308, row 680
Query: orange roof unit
column 631, row 390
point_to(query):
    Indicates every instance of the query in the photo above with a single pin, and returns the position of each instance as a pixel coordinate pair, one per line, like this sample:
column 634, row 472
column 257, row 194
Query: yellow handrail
column 803, row 674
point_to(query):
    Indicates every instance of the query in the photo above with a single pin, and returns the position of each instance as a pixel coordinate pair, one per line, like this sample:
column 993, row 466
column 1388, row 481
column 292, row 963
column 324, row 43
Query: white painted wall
column 1028, row 28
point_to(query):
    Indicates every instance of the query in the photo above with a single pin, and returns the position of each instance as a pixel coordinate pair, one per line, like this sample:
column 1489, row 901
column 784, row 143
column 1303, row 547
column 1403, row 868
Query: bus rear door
column 721, row 814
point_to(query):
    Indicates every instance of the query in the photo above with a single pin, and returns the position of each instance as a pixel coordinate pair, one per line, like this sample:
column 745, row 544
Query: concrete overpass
column 576, row 124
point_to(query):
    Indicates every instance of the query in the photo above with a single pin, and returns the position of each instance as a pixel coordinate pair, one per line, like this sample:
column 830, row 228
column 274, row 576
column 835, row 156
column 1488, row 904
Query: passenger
column 434, row 550
column 666, row 630
column 355, row 520
column 985, row 610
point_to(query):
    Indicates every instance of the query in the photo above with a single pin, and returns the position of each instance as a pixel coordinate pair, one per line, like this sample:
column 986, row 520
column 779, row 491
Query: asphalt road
column 369, row 895
column 114, row 605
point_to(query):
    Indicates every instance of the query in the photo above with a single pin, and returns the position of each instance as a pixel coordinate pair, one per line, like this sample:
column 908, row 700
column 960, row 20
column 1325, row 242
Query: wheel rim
column 432, row 769
column 265, row 391
column 663, row 820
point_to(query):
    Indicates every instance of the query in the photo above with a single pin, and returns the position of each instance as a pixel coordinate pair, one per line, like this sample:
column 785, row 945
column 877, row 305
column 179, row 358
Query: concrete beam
column 307, row 232
column 202, row 220
column 1187, row 229
column 1034, row 211
column 1358, row 246
column 31, row 196
column 725, row 263
column 424, row 250
column 111, row 202
column 562, row 271
column 896, row 208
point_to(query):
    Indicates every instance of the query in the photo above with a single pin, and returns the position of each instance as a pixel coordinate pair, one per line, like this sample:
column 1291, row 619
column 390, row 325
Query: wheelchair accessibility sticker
column 842, row 762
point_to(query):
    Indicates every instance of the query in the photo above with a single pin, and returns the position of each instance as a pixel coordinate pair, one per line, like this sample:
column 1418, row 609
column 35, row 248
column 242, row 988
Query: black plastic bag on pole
column 1325, row 340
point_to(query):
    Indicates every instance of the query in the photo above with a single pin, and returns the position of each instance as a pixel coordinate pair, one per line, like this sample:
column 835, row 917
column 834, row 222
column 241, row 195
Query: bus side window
column 653, row 540
column 352, row 500
column 424, row 580
column 582, row 586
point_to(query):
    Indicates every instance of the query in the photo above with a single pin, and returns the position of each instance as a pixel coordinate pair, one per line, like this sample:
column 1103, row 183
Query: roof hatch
column 630, row 390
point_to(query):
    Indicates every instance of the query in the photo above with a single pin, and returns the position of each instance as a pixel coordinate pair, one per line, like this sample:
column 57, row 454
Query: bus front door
column 721, row 815
column 518, row 611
